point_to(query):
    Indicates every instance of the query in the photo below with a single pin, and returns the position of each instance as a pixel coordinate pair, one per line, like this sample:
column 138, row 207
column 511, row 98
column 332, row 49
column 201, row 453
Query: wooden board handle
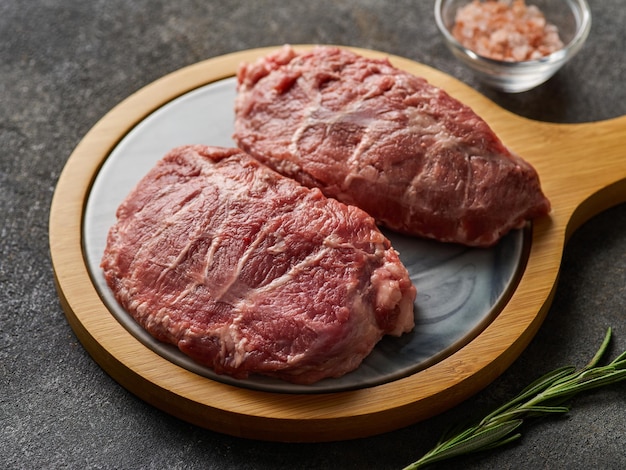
column 582, row 166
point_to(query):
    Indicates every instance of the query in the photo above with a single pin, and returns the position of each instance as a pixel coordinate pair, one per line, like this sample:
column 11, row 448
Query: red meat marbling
column 364, row 132
column 247, row 271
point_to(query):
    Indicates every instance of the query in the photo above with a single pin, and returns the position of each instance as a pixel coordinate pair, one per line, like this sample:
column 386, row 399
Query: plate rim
column 271, row 415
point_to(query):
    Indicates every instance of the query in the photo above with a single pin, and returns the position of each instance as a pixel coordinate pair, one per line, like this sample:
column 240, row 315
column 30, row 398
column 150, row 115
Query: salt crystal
column 502, row 30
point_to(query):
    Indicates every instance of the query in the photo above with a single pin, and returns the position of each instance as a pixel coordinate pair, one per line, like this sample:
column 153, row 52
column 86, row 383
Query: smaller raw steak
column 247, row 271
column 368, row 134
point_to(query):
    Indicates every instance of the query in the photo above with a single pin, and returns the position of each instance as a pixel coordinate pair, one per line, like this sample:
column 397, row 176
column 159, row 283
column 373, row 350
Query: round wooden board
column 558, row 152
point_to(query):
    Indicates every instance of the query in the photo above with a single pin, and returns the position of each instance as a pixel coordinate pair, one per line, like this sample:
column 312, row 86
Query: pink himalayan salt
column 504, row 30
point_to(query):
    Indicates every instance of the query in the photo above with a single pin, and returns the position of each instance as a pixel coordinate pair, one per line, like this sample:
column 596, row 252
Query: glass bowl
column 571, row 17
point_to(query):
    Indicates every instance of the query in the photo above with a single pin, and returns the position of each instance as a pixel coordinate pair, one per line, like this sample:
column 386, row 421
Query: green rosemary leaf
column 544, row 397
column 457, row 430
column 589, row 384
column 454, row 440
column 487, row 438
column 502, row 442
column 547, row 380
column 603, row 347
column 620, row 362
column 533, row 410
column 533, row 389
column 582, row 382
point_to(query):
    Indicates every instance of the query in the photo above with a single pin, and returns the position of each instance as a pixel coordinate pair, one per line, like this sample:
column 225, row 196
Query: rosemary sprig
column 543, row 397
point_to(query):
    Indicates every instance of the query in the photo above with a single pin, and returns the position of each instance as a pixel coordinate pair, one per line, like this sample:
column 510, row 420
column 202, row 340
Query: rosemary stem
column 543, row 397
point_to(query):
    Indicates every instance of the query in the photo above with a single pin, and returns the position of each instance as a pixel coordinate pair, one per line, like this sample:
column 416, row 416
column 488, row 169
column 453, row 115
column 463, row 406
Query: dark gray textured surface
column 64, row 64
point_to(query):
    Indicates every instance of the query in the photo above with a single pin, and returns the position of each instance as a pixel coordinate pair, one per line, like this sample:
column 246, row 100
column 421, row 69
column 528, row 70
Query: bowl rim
column 568, row 50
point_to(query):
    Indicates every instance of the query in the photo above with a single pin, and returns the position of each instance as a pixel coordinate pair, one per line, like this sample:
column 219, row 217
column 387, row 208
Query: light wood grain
column 582, row 169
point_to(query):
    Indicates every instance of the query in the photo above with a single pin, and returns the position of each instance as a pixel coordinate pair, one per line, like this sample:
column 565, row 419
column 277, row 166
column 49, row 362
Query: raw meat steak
column 247, row 271
column 368, row 134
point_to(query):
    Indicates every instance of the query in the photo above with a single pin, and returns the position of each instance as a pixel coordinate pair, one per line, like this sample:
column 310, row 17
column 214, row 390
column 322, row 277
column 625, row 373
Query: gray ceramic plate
column 460, row 290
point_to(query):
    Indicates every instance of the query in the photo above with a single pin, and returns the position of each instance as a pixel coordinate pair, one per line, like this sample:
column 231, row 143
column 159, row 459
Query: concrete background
column 65, row 63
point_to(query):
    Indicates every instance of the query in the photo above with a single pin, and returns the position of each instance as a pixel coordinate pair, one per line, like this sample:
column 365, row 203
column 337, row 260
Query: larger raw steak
column 247, row 271
column 368, row 134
